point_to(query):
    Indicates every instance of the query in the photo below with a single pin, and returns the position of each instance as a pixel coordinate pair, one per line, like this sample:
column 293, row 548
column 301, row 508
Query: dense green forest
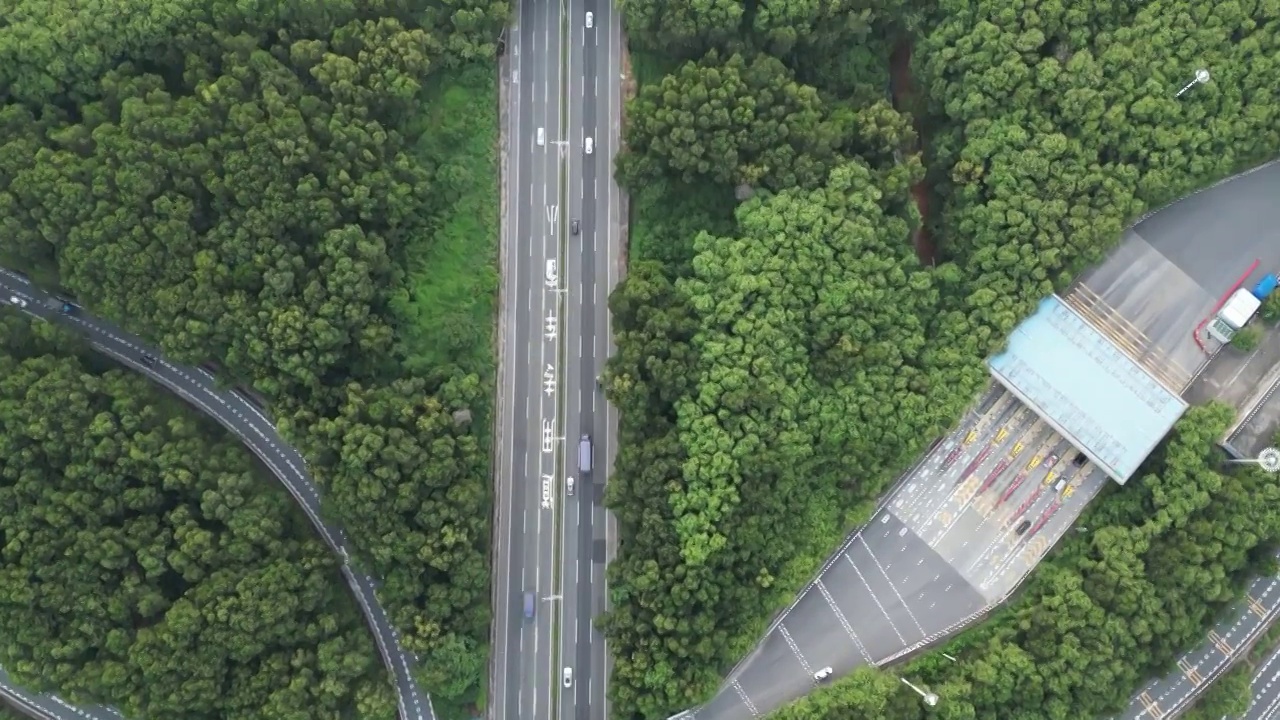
column 146, row 561
column 782, row 352
column 303, row 192
column 1108, row 608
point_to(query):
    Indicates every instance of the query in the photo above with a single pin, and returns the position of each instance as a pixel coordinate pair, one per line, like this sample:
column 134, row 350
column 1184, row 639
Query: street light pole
column 1202, row 76
column 929, row 698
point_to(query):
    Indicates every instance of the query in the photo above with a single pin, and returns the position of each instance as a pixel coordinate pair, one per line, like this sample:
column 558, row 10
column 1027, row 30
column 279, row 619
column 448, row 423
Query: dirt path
column 904, row 91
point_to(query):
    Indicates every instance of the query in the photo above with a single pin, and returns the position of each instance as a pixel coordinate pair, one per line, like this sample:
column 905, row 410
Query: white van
column 542, row 137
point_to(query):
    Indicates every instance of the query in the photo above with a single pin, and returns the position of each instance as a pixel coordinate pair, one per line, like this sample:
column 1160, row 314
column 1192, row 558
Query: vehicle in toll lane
column 1022, row 527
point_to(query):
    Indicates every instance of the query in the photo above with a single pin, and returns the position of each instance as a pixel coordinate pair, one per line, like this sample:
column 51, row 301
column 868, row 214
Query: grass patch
column 649, row 68
column 447, row 319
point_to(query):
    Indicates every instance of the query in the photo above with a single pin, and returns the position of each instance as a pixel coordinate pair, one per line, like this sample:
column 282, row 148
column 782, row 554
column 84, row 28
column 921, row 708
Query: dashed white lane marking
column 795, row 649
column 844, row 623
column 893, row 587
column 746, row 700
column 872, row 593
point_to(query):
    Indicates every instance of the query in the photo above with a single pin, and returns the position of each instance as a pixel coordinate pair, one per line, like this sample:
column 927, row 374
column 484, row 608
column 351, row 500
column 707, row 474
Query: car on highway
column 591, row 20
column 542, row 137
column 589, row 145
column 528, row 606
column 148, row 359
column 584, row 454
column 568, row 677
column 568, row 486
column 575, row 226
column 823, row 674
column 1022, row 527
column 16, row 301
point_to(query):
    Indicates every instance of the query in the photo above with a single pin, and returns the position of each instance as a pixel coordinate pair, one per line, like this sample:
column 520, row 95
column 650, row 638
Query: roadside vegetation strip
column 265, row 198
column 1037, row 173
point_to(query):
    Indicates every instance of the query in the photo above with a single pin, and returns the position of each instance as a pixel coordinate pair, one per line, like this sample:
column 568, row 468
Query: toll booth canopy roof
column 1086, row 389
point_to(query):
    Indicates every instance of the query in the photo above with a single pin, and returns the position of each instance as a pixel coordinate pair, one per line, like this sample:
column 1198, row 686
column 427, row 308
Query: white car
column 591, row 20
column 589, row 145
column 17, row 301
column 568, row 485
column 822, row 674
column 568, row 677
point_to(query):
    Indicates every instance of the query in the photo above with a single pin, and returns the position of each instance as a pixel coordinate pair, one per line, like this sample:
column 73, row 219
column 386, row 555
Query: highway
column 247, row 422
column 1265, row 703
column 1230, row 638
column 562, row 228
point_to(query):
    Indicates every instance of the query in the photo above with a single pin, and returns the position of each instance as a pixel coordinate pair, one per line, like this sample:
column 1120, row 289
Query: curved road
column 238, row 415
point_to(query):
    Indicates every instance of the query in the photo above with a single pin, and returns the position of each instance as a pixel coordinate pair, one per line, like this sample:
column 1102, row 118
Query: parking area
column 1248, row 381
column 1259, row 427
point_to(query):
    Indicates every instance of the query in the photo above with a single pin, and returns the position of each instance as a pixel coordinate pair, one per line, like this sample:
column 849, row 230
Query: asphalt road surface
column 247, row 422
column 1173, row 267
column 1265, row 703
column 1230, row 637
column 560, row 255
column 948, row 544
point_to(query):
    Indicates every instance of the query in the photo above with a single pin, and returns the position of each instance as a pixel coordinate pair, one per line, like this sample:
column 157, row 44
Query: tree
column 680, row 26
column 731, row 122
column 240, row 183
column 1042, row 144
column 1247, row 339
column 132, row 536
column 790, row 361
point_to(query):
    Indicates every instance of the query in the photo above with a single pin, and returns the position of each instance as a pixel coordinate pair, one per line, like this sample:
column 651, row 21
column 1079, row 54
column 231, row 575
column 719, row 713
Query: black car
column 148, row 359
column 574, row 227
column 1022, row 526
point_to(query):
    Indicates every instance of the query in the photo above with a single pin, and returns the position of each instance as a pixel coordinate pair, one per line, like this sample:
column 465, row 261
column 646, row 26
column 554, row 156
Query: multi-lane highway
column 1230, row 638
column 249, row 423
column 1265, row 703
column 562, row 229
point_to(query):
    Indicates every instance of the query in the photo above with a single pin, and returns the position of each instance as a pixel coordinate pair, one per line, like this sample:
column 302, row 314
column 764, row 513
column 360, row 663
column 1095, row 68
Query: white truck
column 1240, row 308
